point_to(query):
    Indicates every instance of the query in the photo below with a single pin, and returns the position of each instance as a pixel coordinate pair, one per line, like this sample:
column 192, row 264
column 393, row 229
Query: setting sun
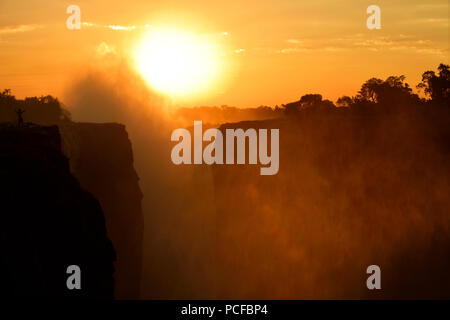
column 176, row 63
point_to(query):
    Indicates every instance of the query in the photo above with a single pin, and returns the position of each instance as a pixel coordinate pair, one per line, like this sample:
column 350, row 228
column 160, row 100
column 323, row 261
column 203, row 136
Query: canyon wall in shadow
column 353, row 189
column 48, row 221
column 101, row 158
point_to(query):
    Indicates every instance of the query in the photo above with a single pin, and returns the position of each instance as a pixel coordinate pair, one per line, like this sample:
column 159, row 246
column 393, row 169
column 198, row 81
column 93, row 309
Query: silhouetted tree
column 42, row 110
column 437, row 87
column 6, row 97
column 291, row 108
column 368, row 91
column 390, row 90
column 392, row 94
column 7, row 104
column 311, row 102
column 344, row 101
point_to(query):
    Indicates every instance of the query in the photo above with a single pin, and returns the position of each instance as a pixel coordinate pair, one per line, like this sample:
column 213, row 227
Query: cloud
column 335, row 49
column 88, row 24
column 362, row 41
column 294, row 41
column 114, row 27
column 397, row 42
column 292, row 50
column 434, row 22
column 117, row 27
column 17, row 28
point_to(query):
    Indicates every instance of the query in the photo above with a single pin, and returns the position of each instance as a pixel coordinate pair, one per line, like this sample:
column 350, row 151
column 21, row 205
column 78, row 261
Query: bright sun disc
column 178, row 64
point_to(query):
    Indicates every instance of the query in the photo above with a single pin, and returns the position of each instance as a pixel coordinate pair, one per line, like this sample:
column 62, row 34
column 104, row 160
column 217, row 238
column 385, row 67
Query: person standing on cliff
column 20, row 118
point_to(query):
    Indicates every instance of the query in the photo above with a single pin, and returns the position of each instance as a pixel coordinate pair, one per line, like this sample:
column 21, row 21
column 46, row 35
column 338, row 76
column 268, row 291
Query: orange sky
column 275, row 51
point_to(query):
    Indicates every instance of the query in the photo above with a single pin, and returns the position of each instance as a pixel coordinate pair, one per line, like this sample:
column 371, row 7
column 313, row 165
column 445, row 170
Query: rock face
column 48, row 221
column 101, row 159
column 352, row 191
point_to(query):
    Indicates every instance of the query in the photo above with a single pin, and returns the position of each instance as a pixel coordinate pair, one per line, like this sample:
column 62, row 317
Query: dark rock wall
column 48, row 221
column 351, row 191
column 101, row 159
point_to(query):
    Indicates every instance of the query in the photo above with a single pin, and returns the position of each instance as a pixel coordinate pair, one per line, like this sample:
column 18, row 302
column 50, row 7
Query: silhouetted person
column 19, row 117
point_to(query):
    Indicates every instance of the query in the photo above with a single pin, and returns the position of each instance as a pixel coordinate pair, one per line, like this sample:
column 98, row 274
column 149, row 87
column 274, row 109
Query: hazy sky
column 274, row 51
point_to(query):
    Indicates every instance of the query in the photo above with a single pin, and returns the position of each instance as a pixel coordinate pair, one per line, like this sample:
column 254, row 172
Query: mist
column 178, row 208
column 358, row 185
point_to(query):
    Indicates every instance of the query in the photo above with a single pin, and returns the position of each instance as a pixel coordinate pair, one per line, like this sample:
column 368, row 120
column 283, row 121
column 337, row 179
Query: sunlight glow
column 177, row 63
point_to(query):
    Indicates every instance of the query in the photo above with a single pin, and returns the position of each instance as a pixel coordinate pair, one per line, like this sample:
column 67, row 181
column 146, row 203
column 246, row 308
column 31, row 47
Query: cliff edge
column 48, row 221
column 101, row 158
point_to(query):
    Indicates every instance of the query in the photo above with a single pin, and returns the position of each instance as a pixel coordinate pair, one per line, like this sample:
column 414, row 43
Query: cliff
column 48, row 221
column 352, row 191
column 101, row 158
